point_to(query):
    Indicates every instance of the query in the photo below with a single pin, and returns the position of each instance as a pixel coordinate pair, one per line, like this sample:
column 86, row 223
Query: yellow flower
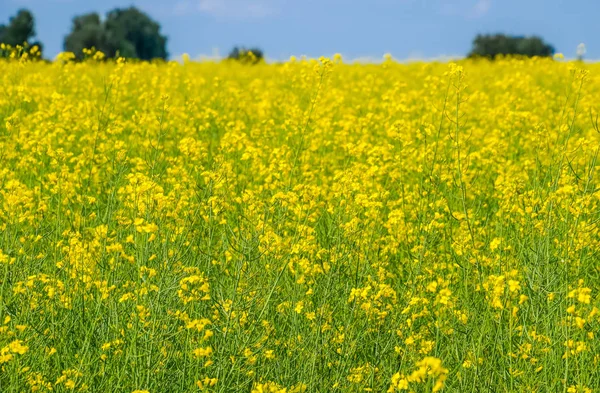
column 203, row 352
column 17, row 347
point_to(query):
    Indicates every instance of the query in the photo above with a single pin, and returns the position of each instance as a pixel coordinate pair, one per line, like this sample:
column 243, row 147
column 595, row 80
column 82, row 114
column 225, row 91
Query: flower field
column 309, row 226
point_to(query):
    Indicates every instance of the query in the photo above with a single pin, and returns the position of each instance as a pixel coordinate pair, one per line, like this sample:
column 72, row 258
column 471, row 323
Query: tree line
column 131, row 33
column 123, row 32
column 494, row 45
column 126, row 32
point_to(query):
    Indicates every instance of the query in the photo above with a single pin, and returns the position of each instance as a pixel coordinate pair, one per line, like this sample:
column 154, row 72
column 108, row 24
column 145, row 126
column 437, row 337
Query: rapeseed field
column 309, row 226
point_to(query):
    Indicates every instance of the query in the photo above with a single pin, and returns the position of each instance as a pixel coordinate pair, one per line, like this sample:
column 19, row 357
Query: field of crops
column 310, row 226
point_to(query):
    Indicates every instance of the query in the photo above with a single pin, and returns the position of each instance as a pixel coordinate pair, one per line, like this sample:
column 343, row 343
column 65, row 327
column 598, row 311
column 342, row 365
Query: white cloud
column 182, row 7
column 30, row 3
column 481, row 8
column 469, row 9
column 236, row 9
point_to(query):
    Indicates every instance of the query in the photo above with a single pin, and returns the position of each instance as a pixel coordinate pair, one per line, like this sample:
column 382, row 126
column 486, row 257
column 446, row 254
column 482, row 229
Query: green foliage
column 125, row 32
column 87, row 32
column 20, row 30
column 499, row 44
column 246, row 56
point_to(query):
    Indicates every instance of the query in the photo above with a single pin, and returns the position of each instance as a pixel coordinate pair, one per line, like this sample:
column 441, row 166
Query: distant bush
column 499, row 44
column 246, row 56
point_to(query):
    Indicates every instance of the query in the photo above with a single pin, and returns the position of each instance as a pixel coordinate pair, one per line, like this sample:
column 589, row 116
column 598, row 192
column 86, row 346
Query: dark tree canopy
column 247, row 56
column 20, row 30
column 499, row 44
column 125, row 32
column 87, row 32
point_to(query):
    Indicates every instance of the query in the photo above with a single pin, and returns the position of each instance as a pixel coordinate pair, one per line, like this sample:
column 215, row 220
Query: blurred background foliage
column 493, row 45
column 131, row 33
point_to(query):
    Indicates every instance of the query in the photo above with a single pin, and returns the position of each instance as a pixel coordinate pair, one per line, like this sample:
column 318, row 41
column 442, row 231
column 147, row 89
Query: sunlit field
column 309, row 226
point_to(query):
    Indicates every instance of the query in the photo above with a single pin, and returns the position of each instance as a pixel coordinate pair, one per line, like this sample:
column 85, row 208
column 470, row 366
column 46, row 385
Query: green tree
column 125, row 32
column 246, row 56
column 87, row 32
column 492, row 45
column 20, row 30
column 135, row 34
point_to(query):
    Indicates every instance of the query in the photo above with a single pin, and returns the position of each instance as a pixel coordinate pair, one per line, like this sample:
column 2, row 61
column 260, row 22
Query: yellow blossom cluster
column 304, row 226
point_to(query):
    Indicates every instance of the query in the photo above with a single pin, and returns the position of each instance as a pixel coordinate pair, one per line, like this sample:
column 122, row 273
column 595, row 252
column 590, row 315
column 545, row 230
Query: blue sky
column 408, row 29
